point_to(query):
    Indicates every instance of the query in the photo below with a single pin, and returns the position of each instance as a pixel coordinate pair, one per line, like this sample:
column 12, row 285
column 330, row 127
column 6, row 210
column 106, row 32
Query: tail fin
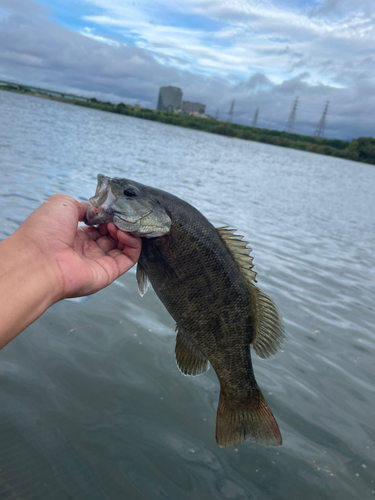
column 252, row 420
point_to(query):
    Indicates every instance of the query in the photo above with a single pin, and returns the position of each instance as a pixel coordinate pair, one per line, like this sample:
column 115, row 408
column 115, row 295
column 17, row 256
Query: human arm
column 50, row 258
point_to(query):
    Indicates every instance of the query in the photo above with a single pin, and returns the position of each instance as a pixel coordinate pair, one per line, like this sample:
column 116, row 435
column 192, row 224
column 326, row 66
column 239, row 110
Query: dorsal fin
column 268, row 328
column 239, row 250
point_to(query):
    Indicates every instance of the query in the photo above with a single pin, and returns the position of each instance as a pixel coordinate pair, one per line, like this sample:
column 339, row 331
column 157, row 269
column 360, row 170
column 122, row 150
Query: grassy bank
column 362, row 149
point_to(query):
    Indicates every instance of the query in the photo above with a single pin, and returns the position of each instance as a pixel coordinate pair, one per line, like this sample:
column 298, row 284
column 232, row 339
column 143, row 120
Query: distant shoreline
column 361, row 149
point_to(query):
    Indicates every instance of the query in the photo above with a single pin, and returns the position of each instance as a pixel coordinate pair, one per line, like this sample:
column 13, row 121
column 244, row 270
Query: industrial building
column 170, row 99
column 193, row 107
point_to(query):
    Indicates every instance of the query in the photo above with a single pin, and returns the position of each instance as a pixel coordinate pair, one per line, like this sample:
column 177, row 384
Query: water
column 92, row 404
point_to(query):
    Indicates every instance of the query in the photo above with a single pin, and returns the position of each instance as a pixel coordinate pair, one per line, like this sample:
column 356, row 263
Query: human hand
column 83, row 259
column 50, row 258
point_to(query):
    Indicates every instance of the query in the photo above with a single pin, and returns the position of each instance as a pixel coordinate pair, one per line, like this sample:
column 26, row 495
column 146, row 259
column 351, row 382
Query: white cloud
column 249, row 37
column 89, row 32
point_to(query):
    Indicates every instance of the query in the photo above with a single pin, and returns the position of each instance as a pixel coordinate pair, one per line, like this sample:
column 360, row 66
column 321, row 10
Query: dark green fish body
column 204, row 277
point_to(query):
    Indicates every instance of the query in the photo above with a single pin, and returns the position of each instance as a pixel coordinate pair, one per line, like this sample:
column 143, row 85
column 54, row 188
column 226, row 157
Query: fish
column 204, row 276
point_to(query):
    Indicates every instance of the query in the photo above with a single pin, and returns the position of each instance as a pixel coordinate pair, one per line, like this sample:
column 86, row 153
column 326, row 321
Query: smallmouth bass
column 204, row 277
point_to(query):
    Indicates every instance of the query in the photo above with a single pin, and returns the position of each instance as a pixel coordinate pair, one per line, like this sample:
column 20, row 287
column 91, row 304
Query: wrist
column 28, row 285
column 44, row 279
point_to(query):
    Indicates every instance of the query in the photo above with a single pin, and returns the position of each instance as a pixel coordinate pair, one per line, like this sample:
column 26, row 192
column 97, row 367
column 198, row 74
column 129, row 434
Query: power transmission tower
column 217, row 114
column 230, row 114
column 255, row 119
column 290, row 123
column 319, row 132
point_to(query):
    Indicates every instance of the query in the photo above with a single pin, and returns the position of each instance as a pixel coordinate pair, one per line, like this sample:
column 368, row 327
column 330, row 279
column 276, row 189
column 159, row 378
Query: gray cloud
column 36, row 50
column 341, row 7
column 259, row 81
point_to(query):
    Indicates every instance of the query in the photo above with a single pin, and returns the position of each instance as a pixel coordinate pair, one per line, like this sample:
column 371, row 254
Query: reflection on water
column 92, row 403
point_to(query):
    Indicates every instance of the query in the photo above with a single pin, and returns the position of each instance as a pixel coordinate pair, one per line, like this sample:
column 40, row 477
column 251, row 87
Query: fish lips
column 97, row 215
column 100, row 208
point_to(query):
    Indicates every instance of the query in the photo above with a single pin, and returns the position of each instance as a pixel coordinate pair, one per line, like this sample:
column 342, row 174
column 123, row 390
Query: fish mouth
column 99, row 209
column 95, row 216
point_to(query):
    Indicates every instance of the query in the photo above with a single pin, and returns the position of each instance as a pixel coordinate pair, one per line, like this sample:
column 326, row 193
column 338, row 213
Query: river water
column 92, row 403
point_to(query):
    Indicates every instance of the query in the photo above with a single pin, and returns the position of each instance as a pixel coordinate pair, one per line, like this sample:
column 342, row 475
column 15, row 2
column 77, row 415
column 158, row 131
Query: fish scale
column 204, row 277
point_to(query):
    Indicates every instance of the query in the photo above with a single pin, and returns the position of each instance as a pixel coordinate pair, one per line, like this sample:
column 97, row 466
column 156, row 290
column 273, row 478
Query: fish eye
column 130, row 191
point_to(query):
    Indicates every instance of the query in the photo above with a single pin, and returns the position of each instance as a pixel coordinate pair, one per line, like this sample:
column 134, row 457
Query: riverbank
column 361, row 149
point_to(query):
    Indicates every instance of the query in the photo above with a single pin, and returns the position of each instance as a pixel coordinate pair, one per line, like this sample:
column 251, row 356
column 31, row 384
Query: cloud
column 256, row 82
column 249, row 35
column 341, row 7
column 89, row 32
column 128, row 53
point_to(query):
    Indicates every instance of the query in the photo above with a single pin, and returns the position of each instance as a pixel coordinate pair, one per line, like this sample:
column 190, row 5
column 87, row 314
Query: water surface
column 92, row 403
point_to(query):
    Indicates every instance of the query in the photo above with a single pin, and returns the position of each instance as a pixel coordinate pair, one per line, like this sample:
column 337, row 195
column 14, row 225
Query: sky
column 261, row 53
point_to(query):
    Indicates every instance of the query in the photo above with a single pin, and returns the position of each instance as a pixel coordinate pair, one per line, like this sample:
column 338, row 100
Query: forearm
column 27, row 286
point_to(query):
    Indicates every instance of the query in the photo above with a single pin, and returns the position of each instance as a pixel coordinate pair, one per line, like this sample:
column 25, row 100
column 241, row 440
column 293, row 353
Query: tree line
column 361, row 149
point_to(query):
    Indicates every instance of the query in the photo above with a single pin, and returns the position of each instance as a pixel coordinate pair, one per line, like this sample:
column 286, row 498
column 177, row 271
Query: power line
column 319, row 131
column 290, row 123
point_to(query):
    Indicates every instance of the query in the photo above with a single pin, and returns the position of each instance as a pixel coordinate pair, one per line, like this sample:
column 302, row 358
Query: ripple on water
column 93, row 405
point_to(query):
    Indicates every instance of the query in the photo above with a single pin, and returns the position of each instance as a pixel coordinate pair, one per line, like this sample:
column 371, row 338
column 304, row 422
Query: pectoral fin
column 190, row 359
column 142, row 280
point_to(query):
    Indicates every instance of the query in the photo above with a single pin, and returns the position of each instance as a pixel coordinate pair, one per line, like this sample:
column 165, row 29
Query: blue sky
column 262, row 53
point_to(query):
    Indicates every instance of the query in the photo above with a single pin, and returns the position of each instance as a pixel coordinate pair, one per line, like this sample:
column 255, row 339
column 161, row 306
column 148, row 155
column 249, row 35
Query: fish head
column 129, row 206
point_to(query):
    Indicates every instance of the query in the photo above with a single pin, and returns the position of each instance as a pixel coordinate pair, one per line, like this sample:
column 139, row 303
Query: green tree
column 362, row 149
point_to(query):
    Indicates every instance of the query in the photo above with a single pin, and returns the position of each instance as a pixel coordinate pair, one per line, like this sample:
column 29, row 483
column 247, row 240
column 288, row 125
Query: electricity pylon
column 319, row 132
column 255, row 119
column 290, row 123
column 217, row 114
column 230, row 114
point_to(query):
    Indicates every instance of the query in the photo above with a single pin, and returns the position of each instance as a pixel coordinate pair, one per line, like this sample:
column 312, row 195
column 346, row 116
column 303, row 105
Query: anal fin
column 189, row 358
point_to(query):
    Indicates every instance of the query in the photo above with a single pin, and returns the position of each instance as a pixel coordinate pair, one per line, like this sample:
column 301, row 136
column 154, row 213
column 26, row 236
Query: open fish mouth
column 100, row 205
